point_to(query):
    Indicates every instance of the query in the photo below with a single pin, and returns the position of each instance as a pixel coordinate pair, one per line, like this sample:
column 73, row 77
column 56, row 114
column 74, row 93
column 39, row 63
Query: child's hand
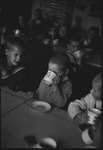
column 46, row 41
column 56, row 80
column 55, row 42
column 82, row 117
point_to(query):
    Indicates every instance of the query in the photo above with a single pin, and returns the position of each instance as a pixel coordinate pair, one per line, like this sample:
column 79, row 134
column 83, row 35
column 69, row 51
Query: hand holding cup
column 82, row 117
column 93, row 114
column 51, row 78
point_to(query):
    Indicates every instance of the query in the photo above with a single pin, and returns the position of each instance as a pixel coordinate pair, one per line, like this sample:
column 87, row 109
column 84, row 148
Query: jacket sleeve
column 19, row 76
column 78, row 106
column 61, row 95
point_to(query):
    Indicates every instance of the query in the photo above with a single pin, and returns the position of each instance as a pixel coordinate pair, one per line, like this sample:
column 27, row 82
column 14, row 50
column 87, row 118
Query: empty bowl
column 48, row 143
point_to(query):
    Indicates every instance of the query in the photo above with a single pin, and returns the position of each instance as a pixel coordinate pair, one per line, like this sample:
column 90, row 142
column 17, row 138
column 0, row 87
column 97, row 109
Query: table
column 10, row 100
column 24, row 121
column 94, row 59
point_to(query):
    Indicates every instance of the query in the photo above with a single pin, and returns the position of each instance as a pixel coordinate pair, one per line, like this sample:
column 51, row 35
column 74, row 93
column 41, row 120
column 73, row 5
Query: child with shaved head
column 59, row 91
column 78, row 109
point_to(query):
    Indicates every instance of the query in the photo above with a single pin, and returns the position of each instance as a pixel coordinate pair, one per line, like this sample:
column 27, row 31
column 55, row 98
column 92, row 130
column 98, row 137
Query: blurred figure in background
column 74, row 50
column 75, row 53
column 77, row 28
column 21, row 28
column 92, row 40
column 61, row 37
column 37, row 22
column 3, row 32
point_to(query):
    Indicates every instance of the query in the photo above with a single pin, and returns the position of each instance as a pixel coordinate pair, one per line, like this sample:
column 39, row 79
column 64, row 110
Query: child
column 74, row 50
column 12, row 72
column 78, row 109
column 60, row 90
column 92, row 40
column 75, row 54
column 62, row 37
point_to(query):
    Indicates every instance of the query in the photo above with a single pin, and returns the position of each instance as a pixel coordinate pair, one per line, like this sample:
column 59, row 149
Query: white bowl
column 48, row 142
column 40, row 106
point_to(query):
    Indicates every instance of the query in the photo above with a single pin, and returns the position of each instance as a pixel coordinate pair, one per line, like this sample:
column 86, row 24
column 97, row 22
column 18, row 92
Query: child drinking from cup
column 74, row 50
column 12, row 71
column 92, row 40
column 57, row 89
column 78, row 110
column 75, row 53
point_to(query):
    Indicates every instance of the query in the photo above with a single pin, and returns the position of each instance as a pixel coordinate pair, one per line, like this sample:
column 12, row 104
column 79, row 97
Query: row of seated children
column 57, row 35
column 78, row 110
column 14, row 73
column 11, row 68
column 60, row 91
column 76, row 54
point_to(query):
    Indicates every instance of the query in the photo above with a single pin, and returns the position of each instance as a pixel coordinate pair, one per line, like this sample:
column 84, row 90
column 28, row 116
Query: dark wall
column 11, row 9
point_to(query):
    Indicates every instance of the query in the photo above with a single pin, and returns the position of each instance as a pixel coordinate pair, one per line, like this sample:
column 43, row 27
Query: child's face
column 91, row 35
column 62, row 31
column 96, row 92
column 51, row 31
column 74, row 46
column 56, row 69
column 13, row 56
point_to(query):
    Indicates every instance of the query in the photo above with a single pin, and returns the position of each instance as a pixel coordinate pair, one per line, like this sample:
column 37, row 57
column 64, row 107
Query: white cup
column 55, row 42
column 77, row 54
column 86, row 42
column 48, row 143
column 17, row 32
column 86, row 137
column 92, row 113
column 49, row 77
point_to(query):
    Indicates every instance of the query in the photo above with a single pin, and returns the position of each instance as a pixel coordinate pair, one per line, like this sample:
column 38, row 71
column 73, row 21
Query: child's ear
column 67, row 71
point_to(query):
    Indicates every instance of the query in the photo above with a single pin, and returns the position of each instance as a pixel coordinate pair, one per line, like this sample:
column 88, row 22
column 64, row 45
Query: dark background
column 11, row 9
